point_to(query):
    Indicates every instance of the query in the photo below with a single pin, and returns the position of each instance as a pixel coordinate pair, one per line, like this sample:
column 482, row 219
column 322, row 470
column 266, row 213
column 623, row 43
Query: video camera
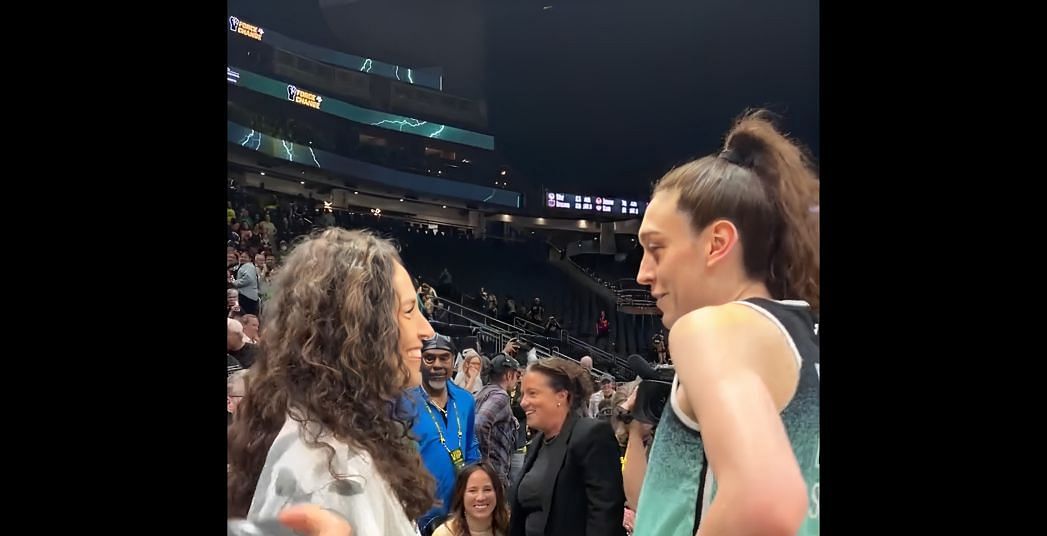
column 653, row 391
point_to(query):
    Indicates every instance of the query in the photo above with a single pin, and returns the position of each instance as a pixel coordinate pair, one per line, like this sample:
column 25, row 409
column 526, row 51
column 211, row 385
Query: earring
column 557, row 404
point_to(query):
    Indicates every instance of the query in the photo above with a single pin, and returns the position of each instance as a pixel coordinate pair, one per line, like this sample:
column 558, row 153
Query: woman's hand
column 312, row 520
column 637, row 429
column 629, row 519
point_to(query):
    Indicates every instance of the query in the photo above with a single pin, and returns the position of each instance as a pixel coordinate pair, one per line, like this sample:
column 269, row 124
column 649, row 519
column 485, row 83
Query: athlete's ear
column 721, row 237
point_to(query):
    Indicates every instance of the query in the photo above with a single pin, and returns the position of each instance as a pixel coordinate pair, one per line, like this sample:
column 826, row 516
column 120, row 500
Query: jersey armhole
column 781, row 327
column 687, row 421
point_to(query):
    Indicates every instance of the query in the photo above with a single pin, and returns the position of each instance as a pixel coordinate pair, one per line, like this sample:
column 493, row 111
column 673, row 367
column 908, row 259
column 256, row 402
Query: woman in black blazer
column 572, row 478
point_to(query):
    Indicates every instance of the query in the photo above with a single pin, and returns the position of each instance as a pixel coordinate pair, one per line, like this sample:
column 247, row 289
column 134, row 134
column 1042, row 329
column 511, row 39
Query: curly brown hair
column 331, row 356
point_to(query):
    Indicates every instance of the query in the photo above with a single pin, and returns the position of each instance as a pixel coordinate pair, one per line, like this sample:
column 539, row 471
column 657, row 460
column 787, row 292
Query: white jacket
column 295, row 473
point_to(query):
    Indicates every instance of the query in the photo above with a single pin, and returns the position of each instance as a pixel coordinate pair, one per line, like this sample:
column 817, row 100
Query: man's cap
column 503, row 363
column 439, row 342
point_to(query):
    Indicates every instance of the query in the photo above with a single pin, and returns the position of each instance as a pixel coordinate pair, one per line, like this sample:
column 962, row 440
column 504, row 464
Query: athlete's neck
column 752, row 289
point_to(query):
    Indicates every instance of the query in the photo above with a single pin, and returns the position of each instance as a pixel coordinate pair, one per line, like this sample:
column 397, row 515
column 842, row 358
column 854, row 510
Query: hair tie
column 731, row 156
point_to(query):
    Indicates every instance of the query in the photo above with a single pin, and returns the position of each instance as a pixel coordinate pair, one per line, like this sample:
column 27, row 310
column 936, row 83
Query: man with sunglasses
column 444, row 420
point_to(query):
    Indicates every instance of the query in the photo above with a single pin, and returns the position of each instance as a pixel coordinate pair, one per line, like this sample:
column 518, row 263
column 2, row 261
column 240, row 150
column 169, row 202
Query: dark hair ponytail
column 788, row 175
column 764, row 184
column 566, row 375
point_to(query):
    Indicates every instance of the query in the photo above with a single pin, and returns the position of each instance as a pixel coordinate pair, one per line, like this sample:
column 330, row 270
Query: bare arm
column 635, row 456
column 635, row 465
column 728, row 383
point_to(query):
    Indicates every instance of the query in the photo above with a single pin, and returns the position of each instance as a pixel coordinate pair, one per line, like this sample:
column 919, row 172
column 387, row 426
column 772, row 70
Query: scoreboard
column 594, row 204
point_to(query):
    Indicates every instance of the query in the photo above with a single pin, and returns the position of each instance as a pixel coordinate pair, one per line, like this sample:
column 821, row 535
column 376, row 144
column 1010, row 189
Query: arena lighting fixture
column 443, row 206
column 356, row 193
column 303, row 182
column 401, row 200
column 262, row 173
column 504, row 172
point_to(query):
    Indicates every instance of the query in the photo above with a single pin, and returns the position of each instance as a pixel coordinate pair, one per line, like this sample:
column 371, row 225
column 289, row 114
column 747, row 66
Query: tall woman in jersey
column 731, row 255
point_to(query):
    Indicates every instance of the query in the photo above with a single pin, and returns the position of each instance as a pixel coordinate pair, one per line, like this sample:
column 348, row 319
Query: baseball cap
column 439, row 342
column 503, row 362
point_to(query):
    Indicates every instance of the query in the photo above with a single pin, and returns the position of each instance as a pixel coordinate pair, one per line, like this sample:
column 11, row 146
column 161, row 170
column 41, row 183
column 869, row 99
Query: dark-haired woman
column 322, row 420
column 570, row 483
column 477, row 505
column 731, row 255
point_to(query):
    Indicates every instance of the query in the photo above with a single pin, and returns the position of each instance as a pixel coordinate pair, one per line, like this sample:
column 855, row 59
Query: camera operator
column 640, row 414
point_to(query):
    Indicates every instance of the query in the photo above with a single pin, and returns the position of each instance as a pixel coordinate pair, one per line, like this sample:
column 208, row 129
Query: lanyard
column 457, row 421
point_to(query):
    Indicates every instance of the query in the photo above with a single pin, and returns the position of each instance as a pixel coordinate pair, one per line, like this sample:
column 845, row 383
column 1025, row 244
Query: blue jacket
column 461, row 408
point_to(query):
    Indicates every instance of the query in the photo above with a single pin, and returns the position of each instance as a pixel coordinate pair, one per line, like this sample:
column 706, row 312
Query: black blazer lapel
column 554, row 468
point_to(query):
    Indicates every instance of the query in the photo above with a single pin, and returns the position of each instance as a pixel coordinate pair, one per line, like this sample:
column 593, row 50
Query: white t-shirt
column 295, row 473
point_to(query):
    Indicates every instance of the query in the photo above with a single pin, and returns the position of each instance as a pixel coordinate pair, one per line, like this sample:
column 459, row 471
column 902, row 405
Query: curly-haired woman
column 322, row 420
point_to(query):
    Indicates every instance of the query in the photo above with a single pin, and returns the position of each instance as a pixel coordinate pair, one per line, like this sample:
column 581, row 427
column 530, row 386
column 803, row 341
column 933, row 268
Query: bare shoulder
column 711, row 343
column 730, row 325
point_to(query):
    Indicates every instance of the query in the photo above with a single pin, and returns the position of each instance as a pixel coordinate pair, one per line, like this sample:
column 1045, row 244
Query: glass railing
column 499, row 333
column 576, row 344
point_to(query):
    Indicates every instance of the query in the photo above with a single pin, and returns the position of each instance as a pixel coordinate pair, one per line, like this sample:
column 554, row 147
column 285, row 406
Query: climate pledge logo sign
column 250, row 30
column 304, row 97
